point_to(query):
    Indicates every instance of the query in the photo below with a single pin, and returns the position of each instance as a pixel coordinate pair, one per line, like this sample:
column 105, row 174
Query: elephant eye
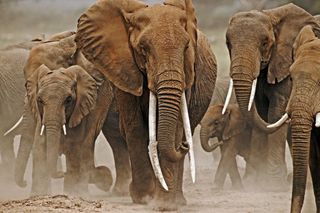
column 40, row 101
column 68, row 100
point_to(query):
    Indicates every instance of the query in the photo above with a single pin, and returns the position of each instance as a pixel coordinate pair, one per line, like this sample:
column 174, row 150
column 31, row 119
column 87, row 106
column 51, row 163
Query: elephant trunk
column 204, row 139
column 243, row 77
column 302, row 114
column 169, row 98
column 301, row 129
column 53, row 137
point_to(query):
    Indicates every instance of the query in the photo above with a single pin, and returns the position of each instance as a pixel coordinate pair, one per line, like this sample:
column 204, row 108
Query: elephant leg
column 276, row 163
column 314, row 165
column 7, row 157
column 231, row 164
column 40, row 175
column 121, row 156
column 257, row 156
column 72, row 176
column 221, row 172
column 135, row 128
column 25, row 146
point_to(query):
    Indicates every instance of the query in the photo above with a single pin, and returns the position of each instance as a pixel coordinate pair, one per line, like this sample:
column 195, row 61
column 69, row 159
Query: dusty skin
column 200, row 196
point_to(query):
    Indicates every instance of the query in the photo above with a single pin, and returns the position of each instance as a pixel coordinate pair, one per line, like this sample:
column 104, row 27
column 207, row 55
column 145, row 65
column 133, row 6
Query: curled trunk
column 204, row 138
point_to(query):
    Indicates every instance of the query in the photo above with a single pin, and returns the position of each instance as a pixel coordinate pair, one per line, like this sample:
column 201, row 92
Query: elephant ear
column 306, row 35
column 86, row 92
column 191, row 28
column 234, row 123
column 32, row 86
column 204, row 81
column 103, row 39
column 287, row 21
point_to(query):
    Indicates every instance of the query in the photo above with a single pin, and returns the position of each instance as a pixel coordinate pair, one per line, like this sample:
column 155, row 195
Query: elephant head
column 142, row 48
column 58, row 98
column 260, row 43
column 223, row 126
column 304, row 109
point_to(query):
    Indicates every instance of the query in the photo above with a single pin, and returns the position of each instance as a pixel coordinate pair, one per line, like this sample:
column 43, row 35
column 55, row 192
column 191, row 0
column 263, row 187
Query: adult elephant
column 260, row 46
column 303, row 109
column 156, row 58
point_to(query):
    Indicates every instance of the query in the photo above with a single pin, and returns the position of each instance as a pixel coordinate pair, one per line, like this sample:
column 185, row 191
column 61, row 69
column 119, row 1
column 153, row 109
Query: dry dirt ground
column 200, row 195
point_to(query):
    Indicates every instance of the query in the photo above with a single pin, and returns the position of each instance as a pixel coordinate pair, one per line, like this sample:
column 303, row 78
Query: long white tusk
column 187, row 129
column 14, row 126
column 317, row 120
column 227, row 101
column 152, row 148
column 253, row 92
column 42, row 129
column 279, row 122
column 64, row 129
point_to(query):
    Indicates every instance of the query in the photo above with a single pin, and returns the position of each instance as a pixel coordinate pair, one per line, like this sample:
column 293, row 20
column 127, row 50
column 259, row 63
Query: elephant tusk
column 253, row 92
column 188, row 134
column 152, row 148
column 42, row 129
column 64, row 129
column 227, row 101
column 317, row 120
column 279, row 123
column 14, row 126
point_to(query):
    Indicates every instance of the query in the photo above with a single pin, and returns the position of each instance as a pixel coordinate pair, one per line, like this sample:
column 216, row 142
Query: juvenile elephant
column 160, row 64
column 74, row 101
column 260, row 46
column 233, row 133
column 303, row 108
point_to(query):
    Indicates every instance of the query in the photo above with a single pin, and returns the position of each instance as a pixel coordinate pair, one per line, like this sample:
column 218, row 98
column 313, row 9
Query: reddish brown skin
column 167, row 55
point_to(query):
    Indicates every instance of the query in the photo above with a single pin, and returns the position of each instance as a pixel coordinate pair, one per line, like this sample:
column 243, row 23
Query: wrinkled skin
column 260, row 46
column 83, row 124
column 154, row 49
column 302, row 109
column 233, row 134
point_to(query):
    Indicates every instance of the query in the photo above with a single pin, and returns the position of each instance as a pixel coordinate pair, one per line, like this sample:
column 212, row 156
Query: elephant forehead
column 55, row 79
column 161, row 13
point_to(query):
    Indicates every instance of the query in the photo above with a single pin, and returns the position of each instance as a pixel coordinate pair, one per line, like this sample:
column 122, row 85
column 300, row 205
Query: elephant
column 159, row 64
column 303, row 110
column 12, row 94
column 233, row 133
column 67, row 95
column 260, row 47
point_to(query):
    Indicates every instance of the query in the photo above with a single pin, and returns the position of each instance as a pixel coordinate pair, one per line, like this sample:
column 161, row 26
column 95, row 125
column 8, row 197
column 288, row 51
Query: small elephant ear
column 235, row 122
column 32, row 86
column 306, row 35
column 86, row 92
column 287, row 21
column 204, row 81
column 103, row 39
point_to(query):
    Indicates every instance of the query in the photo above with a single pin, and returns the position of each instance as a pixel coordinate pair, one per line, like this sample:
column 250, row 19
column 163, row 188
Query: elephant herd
column 145, row 76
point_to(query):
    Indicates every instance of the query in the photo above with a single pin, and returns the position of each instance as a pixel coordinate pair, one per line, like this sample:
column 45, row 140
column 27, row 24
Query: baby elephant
column 233, row 134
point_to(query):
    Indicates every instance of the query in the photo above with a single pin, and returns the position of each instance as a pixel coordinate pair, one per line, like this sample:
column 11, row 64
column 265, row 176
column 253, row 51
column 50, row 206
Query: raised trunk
column 301, row 130
column 204, row 138
column 169, row 97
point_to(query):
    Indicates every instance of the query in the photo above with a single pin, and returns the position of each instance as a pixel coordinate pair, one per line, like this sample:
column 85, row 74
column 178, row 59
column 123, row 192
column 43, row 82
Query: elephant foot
column 102, row 178
column 21, row 183
column 141, row 195
column 217, row 187
column 165, row 201
column 120, row 190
